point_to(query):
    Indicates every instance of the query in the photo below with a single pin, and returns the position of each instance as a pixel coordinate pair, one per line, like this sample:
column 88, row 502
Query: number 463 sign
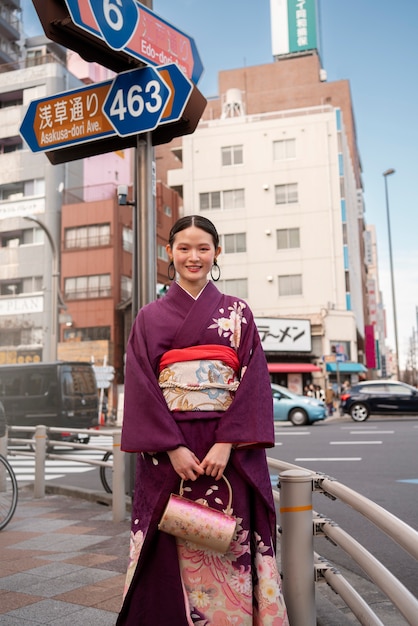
column 136, row 101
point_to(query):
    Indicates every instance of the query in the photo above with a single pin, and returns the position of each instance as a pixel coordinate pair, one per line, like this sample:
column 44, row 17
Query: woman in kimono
column 198, row 406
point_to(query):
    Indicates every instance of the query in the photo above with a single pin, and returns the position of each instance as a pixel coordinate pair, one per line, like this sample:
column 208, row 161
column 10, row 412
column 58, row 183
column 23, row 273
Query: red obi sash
column 196, row 353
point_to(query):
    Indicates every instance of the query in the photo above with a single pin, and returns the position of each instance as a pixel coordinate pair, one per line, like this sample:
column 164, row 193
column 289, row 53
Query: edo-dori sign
column 284, row 335
column 132, row 27
column 119, row 34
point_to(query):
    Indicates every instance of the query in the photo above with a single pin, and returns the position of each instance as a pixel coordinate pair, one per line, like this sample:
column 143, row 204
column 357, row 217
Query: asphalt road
column 378, row 459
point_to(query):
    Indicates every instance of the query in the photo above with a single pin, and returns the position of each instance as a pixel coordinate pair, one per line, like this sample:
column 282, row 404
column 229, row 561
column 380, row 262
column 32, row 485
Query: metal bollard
column 118, row 485
column 40, row 456
column 297, row 549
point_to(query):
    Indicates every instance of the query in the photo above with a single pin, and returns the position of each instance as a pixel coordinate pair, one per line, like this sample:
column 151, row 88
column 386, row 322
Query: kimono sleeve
column 148, row 425
column 248, row 422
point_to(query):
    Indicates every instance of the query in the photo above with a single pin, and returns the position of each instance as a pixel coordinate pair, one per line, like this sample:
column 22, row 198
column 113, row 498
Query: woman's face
column 193, row 253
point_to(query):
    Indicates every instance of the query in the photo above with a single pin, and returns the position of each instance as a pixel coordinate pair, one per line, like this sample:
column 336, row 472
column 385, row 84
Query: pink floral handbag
column 198, row 522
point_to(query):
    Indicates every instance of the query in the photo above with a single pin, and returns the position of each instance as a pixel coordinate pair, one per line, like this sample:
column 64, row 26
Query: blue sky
column 373, row 45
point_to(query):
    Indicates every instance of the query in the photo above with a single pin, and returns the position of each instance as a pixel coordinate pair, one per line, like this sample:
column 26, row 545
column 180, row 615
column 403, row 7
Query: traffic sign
column 104, row 375
column 181, row 89
column 67, row 118
column 88, row 120
column 118, row 34
column 136, row 101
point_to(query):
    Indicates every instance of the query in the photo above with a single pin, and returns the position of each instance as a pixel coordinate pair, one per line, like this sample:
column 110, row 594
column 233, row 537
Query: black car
column 378, row 397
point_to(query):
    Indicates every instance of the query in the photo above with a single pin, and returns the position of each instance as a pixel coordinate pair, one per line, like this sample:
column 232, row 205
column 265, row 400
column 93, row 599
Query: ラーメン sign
column 293, row 26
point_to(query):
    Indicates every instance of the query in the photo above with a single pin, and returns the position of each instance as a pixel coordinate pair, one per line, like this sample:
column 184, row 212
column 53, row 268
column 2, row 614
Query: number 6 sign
column 117, row 20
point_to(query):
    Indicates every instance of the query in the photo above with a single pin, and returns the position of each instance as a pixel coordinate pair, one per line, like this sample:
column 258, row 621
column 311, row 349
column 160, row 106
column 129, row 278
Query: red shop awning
column 292, row 368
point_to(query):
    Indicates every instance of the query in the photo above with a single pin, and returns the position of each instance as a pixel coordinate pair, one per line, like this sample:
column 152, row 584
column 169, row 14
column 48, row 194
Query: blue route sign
column 76, row 123
column 132, row 28
column 181, row 88
column 136, row 101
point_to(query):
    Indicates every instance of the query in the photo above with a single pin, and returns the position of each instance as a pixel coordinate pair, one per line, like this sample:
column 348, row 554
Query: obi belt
column 199, row 378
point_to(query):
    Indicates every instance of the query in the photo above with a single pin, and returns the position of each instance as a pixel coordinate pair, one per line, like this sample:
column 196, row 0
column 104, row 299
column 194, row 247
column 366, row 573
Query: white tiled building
column 281, row 188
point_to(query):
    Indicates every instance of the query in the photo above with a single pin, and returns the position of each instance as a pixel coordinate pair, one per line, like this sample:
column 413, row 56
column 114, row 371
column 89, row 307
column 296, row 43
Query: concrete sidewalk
column 63, row 562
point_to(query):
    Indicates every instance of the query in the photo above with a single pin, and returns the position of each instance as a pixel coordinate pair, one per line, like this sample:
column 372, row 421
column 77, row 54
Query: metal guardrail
column 40, row 442
column 302, row 567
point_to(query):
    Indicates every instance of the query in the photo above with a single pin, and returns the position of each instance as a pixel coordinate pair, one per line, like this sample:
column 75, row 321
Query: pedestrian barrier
column 302, row 568
column 39, row 442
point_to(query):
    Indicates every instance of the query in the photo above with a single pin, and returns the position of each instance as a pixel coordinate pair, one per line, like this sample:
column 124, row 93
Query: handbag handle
column 228, row 484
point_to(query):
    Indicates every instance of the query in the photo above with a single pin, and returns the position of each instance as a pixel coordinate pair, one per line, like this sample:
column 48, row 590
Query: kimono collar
column 188, row 292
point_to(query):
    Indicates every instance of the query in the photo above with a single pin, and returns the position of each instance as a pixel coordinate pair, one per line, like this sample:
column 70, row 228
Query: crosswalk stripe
column 24, row 466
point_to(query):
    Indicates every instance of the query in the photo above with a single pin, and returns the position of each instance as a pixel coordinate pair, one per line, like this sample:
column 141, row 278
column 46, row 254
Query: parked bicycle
column 106, row 473
column 8, row 492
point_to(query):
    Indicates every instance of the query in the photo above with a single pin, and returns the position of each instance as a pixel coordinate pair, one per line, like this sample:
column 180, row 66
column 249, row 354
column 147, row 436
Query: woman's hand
column 185, row 463
column 216, row 459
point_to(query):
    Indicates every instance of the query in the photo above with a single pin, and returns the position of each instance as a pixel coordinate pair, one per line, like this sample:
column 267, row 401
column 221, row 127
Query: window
column 32, row 284
column 230, row 199
column 33, row 235
column 88, row 287
column 233, row 199
column 236, row 287
column 127, row 239
column 232, row 155
column 290, row 285
column 34, row 57
column 234, row 243
column 288, row 238
column 94, row 333
column 10, row 337
column 399, row 390
column 11, row 287
column 284, row 149
column 10, row 144
column 210, row 200
column 286, row 194
column 162, row 252
column 87, row 236
column 167, row 210
column 347, row 281
column 125, row 287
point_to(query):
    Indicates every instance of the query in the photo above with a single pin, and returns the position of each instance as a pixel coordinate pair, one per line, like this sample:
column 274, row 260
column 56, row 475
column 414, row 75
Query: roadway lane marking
column 339, row 458
column 351, row 428
column 371, row 432
column 412, row 481
column 295, row 433
column 354, row 443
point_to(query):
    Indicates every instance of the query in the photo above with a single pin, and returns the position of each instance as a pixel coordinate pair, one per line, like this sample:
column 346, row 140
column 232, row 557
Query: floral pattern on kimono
column 246, row 584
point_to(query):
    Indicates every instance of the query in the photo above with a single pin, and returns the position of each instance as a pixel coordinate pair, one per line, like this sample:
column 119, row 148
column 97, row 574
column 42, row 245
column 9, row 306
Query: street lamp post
column 392, row 279
column 54, row 288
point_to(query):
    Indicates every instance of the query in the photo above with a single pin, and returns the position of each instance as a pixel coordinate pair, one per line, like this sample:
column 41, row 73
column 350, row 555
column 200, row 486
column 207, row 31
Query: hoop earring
column 171, row 271
column 217, row 271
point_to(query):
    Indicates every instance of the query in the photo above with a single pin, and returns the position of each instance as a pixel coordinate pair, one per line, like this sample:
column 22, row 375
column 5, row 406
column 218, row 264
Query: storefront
column 295, row 376
column 287, row 344
column 345, row 374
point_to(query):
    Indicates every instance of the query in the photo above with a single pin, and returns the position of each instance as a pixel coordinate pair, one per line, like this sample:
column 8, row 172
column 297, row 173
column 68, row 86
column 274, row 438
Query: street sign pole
column 144, row 280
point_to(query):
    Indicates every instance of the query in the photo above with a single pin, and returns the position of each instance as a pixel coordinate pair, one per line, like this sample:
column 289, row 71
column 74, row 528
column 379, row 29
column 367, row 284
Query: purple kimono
column 171, row 582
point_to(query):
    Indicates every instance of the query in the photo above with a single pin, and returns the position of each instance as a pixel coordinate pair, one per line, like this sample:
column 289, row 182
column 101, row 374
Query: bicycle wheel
column 8, row 492
column 106, row 473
